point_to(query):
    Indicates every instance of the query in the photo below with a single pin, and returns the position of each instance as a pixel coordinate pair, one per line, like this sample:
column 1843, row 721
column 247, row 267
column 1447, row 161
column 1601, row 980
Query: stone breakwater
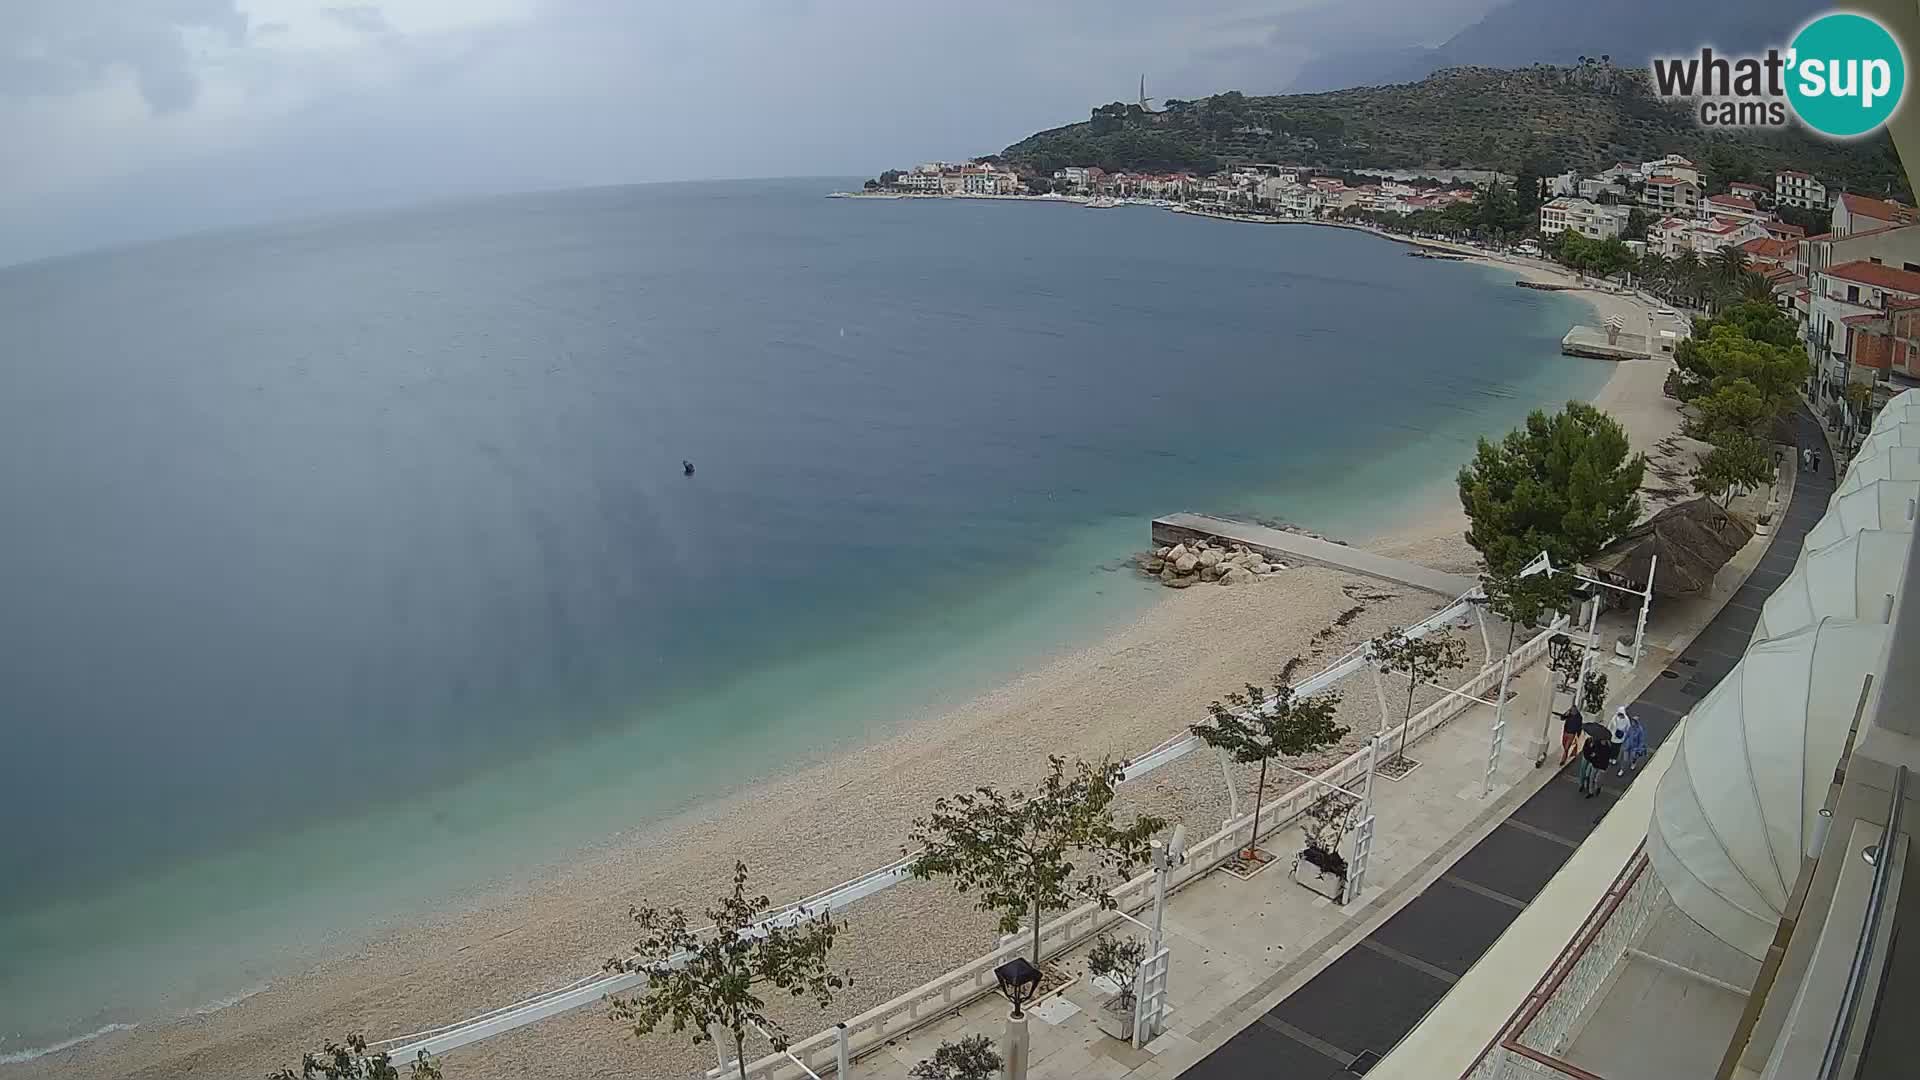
column 1182, row 565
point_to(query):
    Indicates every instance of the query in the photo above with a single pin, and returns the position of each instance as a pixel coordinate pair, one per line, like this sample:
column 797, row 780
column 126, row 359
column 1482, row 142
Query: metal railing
column 1857, row 973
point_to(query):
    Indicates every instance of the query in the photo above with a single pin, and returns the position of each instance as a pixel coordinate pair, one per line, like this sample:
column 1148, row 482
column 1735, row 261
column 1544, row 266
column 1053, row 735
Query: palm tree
column 1728, row 264
column 1754, row 286
column 1685, row 275
column 1656, row 269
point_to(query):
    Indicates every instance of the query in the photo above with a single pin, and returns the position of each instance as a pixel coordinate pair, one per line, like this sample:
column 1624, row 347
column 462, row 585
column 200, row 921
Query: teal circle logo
column 1847, row 74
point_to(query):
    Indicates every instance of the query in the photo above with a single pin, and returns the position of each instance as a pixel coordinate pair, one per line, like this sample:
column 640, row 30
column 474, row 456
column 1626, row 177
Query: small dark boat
column 686, row 467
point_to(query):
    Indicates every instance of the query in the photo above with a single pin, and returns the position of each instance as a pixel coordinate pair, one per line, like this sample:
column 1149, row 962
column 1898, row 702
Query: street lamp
column 1019, row 981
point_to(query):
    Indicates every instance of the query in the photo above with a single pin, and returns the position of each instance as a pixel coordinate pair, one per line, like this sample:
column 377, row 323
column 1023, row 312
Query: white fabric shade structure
column 1883, row 438
column 1891, row 463
column 1740, row 806
column 1878, row 504
column 1853, row 578
column 1899, row 409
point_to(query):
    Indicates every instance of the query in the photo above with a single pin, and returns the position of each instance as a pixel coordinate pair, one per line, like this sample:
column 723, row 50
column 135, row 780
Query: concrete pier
column 1293, row 548
column 1591, row 341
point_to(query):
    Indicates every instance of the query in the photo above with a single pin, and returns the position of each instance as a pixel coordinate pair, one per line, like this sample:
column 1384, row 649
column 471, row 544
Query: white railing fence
column 959, row 987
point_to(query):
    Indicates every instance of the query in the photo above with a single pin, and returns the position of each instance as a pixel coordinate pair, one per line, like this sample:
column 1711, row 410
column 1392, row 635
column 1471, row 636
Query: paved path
column 1357, row 1008
column 1294, row 548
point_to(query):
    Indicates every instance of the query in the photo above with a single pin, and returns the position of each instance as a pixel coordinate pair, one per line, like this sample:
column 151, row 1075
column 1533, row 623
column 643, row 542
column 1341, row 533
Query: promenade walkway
column 1353, row 1012
column 1295, row 548
column 1269, row 979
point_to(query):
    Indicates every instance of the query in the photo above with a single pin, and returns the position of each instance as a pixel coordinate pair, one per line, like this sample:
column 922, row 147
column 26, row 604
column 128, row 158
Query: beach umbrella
column 1878, row 504
column 1739, row 808
column 1692, row 541
column 1852, row 578
column 1891, row 463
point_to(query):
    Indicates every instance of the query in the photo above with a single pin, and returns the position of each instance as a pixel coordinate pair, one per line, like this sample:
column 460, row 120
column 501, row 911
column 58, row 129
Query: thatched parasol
column 1692, row 539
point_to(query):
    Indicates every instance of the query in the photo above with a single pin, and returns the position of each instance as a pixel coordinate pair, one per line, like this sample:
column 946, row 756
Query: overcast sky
column 123, row 120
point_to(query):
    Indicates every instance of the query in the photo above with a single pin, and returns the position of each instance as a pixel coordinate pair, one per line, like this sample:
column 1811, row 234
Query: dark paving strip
column 1481, row 890
column 1317, row 1045
column 1413, row 962
column 1369, row 998
column 1516, row 823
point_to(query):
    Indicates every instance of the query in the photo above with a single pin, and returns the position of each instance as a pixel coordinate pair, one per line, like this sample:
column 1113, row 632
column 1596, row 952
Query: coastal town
column 1845, row 266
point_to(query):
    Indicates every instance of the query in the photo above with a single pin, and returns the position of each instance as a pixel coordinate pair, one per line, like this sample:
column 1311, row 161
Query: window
column 1853, row 294
column 1875, row 260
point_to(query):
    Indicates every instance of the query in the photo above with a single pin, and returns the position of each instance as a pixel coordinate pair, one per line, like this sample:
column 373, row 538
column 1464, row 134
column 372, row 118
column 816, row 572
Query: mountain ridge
column 1541, row 118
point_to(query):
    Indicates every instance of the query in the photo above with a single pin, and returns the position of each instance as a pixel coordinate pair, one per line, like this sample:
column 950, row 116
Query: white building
column 1583, row 217
column 1673, row 167
column 1671, row 195
column 1593, row 186
column 1732, row 206
column 1711, row 235
column 1794, row 188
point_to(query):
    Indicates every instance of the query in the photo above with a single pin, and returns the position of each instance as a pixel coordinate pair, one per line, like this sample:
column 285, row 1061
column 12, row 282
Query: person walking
column 1594, row 762
column 1806, row 458
column 1570, row 733
column 1633, row 744
column 1816, row 461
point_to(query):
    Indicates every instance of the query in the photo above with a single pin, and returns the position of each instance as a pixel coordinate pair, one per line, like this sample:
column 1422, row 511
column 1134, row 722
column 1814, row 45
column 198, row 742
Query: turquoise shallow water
column 350, row 563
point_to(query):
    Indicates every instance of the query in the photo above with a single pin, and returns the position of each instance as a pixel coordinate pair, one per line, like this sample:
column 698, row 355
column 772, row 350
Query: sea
column 350, row 567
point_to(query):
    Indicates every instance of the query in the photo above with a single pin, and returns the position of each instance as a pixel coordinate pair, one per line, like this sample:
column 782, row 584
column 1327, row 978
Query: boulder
column 1259, row 568
column 1210, row 573
column 1209, row 557
column 1176, row 552
column 1236, row 575
column 1180, row 581
column 1185, row 563
column 1153, row 566
column 1162, row 552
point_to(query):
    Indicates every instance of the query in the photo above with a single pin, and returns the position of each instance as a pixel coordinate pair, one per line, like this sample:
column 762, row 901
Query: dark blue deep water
column 362, row 546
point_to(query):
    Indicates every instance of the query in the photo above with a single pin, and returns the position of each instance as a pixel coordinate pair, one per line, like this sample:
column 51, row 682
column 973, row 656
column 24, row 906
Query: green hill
column 1541, row 118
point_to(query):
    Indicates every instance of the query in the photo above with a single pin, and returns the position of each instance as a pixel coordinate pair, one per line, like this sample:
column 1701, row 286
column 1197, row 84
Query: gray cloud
column 569, row 93
column 366, row 18
column 56, row 47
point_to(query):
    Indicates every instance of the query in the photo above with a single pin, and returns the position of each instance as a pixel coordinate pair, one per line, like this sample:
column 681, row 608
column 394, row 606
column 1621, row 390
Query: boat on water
column 1102, row 203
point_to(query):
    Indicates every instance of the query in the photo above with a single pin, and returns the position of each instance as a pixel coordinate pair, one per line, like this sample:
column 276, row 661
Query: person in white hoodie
column 1632, row 738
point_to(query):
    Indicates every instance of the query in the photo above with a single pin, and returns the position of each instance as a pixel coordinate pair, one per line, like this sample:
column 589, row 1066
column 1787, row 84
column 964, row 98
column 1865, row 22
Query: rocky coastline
column 1199, row 561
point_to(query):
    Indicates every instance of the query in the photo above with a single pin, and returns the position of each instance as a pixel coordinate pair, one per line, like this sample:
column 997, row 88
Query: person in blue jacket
column 1632, row 736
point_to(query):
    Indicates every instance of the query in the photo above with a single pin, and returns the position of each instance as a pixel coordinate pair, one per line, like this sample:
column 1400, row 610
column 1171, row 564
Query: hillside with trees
column 1539, row 119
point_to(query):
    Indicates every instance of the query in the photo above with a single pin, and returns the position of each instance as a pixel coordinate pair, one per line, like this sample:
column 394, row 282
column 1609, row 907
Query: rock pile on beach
column 1201, row 561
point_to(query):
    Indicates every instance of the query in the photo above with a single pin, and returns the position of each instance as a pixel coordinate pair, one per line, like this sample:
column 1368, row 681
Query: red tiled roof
column 1733, row 201
column 1766, row 247
column 1878, row 276
column 1878, row 209
column 1856, row 320
column 1665, row 181
column 1782, row 228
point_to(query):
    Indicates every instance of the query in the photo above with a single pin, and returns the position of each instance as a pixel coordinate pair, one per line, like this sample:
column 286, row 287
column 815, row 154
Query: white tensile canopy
column 1897, row 434
column 1899, row 409
column 1891, row 463
column 1739, row 807
column 1853, row 578
column 1878, row 504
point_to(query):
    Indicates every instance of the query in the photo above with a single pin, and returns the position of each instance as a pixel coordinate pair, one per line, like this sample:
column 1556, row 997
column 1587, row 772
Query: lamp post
column 1560, row 658
column 1019, row 982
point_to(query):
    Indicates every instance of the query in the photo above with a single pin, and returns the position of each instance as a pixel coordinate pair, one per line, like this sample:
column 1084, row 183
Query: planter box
column 1113, row 1018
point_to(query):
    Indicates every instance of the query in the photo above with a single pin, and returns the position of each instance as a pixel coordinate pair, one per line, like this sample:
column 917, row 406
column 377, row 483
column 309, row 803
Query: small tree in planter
column 1593, row 694
column 1118, row 961
column 972, row 1058
column 1325, row 825
column 350, row 1061
column 1257, row 727
column 717, row 986
column 1419, row 660
column 1520, row 600
column 1016, row 850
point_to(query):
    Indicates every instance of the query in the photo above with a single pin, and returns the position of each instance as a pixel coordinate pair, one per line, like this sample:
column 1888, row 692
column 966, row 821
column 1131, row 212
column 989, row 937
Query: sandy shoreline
column 820, row 825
